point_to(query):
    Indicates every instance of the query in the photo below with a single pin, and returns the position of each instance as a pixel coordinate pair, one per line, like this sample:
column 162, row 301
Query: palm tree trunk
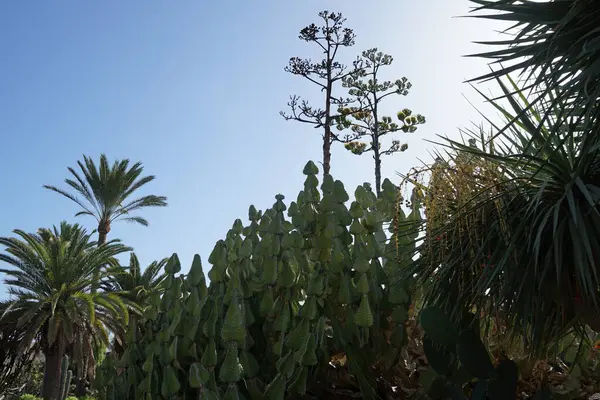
column 52, row 370
column 102, row 237
column 103, row 229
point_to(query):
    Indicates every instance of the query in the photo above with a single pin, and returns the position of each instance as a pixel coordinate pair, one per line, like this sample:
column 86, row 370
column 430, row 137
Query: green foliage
column 134, row 286
column 29, row 397
column 555, row 46
column 49, row 286
column 17, row 362
column 512, row 224
column 132, row 282
column 32, row 397
column 99, row 349
column 105, row 192
column 285, row 295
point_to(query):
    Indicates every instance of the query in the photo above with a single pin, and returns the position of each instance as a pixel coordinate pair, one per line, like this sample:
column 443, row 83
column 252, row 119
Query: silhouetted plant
column 326, row 74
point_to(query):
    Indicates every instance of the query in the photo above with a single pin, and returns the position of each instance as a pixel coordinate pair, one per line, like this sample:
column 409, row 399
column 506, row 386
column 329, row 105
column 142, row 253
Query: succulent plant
column 298, row 284
column 66, row 375
column 457, row 356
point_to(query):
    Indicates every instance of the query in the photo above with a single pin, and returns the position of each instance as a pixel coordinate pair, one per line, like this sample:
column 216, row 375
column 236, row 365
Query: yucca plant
column 513, row 223
column 556, row 43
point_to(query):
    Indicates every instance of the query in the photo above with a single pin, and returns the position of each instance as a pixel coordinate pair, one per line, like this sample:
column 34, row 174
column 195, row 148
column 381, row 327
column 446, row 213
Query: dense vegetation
column 480, row 281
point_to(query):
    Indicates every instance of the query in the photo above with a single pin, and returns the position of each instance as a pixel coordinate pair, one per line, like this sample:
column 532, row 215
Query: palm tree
column 136, row 287
column 106, row 191
column 53, row 271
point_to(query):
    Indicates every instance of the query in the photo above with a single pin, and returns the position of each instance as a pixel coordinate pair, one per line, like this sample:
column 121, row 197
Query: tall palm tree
column 136, row 286
column 49, row 282
column 106, row 191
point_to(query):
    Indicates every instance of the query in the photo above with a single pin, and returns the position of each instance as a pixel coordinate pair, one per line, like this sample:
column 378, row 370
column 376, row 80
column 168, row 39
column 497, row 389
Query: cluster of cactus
column 459, row 360
column 285, row 295
column 66, row 375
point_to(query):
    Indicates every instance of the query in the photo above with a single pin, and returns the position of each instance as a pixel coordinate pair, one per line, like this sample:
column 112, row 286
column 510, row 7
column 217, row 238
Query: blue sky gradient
column 194, row 89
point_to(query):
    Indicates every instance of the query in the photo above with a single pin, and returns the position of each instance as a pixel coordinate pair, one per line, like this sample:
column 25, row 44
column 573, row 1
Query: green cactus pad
column 298, row 385
column 170, row 383
column 399, row 295
column 438, row 327
column 276, row 389
column 504, row 386
column 474, row 356
column 173, row 265
column 364, row 315
column 439, row 358
column 231, row 369
column 283, row 319
column 310, row 169
column 209, row 356
column 345, row 295
column 328, row 184
column 362, row 286
column 196, row 275
column 249, row 364
column 252, row 213
column 233, row 325
column 198, row 376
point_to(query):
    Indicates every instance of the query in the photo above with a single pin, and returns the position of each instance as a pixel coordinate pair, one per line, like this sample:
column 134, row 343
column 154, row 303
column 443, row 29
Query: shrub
column 29, row 397
column 285, row 298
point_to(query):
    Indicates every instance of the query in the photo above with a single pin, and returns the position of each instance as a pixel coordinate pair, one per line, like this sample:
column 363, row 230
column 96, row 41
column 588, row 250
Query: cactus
column 457, row 355
column 299, row 283
column 66, row 375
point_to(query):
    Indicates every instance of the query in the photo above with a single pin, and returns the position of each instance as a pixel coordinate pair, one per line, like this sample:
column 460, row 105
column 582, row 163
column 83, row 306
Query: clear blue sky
column 194, row 89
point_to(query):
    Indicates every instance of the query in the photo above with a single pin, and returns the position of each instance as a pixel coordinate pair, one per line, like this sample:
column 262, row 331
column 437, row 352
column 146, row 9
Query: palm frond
column 556, row 47
column 72, row 198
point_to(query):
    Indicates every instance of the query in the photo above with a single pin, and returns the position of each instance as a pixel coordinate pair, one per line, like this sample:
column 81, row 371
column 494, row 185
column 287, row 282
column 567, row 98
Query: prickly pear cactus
column 295, row 286
column 458, row 358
